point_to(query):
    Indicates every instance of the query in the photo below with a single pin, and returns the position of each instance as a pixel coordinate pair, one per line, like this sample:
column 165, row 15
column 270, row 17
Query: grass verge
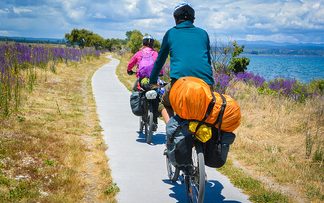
column 256, row 190
column 121, row 71
column 52, row 150
column 281, row 142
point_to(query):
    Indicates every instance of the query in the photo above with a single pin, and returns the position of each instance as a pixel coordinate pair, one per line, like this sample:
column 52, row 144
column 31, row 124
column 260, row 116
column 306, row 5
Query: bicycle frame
column 147, row 120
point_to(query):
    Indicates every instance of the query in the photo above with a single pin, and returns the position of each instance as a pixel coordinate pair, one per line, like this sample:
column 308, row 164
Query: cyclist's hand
column 130, row 72
column 154, row 86
column 148, row 87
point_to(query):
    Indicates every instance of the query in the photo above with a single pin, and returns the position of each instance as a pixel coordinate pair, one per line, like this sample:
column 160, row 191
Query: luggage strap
column 209, row 110
column 219, row 119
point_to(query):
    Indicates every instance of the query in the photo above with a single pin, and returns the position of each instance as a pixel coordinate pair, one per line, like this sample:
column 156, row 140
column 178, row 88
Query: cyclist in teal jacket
column 189, row 50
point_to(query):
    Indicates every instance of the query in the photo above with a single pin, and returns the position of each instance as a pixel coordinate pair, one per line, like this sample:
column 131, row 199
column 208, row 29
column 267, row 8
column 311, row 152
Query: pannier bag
column 216, row 152
column 179, row 142
column 192, row 99
column 137, row 103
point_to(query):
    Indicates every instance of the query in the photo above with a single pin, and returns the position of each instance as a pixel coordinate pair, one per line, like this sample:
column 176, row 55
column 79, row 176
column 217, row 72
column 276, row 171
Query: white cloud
column 99, row 16
column 278, row 20
column 21, row 10
column 4, row 11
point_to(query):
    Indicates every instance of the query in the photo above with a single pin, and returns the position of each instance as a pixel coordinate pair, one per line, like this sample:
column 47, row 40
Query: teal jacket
column 189, row 53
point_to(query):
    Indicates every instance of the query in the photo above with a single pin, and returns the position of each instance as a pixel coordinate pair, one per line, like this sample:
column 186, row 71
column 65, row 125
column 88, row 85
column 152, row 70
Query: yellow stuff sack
column 190, row 97
column 203, row 133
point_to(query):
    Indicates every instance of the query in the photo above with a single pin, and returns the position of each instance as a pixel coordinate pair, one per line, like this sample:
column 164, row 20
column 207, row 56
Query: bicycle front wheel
column 150, row 125
column 141, row 124
column 144, row 120
column 197, row 177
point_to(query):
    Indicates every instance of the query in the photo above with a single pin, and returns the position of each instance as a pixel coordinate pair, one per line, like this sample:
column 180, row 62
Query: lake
column 302, row 68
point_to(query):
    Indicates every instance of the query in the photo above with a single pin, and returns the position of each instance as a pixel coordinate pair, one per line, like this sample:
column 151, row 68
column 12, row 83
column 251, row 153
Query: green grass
column 112, row 189
column 12, row 190
column 254, row 188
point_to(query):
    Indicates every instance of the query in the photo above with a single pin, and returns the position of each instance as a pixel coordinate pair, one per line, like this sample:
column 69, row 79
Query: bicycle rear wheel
column 195, row 181
column 173, row 172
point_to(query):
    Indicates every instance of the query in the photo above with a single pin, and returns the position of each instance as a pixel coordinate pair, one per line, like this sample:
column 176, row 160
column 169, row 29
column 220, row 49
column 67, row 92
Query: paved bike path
column 139, row 169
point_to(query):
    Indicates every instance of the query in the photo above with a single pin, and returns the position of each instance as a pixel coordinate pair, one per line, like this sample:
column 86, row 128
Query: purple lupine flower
column 285, row 86
column 250, row 78
column 221, row 81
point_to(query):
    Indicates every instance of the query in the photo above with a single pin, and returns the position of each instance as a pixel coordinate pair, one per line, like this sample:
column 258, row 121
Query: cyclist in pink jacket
column 144, row 60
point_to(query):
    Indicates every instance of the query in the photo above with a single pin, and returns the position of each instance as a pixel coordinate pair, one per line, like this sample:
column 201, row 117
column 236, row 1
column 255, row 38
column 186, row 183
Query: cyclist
column 147, row 49
column 144, row 60
column 189, row 49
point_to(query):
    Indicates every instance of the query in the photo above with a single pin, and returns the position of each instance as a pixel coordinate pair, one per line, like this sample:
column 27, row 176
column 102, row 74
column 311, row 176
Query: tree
column 238, row 64
column 128, row 35
column 135, row 40
column 108, row 44
column 156, row 45
column 221, row 55
column 225, row 57
column 116, row 44
column 85, row 38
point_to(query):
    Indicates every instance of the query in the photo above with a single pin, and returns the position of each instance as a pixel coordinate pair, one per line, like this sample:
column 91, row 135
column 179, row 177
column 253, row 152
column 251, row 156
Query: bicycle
column 146, row 121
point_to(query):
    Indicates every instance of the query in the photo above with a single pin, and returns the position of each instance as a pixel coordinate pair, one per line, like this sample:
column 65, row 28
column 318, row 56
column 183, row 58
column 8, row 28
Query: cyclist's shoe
column 165, row 152
column 190, row 170
column 154, row 127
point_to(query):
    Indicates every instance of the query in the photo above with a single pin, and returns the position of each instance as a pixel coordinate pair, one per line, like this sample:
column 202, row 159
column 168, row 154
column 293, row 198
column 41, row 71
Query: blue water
column 302, row 68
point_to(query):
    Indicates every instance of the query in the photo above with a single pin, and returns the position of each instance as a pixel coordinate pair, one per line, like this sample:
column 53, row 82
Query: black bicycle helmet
column 148, row 41
column 183, row 11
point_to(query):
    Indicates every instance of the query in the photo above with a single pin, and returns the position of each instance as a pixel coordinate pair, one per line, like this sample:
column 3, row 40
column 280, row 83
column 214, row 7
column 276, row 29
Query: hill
column 33, row 40
column 267, row 47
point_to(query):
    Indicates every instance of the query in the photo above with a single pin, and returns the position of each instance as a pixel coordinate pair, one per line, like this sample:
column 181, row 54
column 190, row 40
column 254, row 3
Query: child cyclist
column 144, row 60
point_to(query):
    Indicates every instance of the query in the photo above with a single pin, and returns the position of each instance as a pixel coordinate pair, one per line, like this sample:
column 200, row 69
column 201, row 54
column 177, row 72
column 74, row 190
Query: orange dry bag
column 192, row 99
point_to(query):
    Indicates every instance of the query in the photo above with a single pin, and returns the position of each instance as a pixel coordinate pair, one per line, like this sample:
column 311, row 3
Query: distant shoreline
column 288, row 55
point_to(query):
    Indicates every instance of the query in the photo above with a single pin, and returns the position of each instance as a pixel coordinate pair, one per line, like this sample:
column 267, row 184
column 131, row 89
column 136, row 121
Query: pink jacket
column 138, row 56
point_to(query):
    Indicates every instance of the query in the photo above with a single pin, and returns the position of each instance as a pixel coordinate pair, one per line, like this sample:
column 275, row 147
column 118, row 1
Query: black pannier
column 179, row 142
column 137, row 103
column 215, row 152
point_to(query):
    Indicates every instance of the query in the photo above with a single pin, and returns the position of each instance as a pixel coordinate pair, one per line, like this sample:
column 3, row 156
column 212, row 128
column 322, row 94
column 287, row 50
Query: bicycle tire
column 173, row 172
column 150, row 125
column 145, row 119
column 195, row 183
column 141, row 124
column 145, row 129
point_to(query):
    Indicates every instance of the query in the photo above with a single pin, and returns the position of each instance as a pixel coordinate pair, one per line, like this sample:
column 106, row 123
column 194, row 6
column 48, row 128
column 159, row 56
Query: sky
column 293, row 21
